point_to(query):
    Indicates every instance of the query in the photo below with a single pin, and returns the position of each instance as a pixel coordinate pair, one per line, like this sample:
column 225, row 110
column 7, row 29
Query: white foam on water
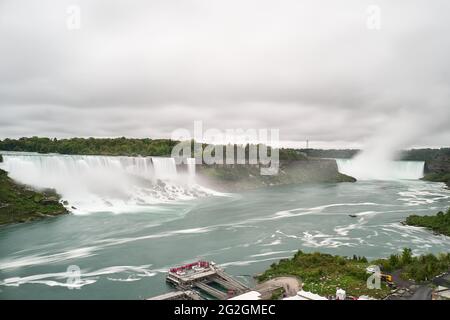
column 313, row 210
column 14, row 262
column 317, row 239
column 129, row 279
column 419, row 195
column 273, row 243
column 86, row 277
column 249, row 262
column 271, row 253
column 362, row 221
column 118, row 241
column 31, row 260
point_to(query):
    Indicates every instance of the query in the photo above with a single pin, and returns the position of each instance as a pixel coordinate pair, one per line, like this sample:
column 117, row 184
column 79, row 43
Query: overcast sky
column 313, row 69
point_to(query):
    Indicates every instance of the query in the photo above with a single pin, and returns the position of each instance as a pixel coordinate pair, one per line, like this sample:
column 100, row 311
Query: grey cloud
column 146, row 68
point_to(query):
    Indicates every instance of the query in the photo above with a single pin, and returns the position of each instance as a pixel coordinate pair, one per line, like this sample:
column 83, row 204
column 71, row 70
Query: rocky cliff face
column 242, row 177
column 19, row 203
column 440, row 164
column 438, row 169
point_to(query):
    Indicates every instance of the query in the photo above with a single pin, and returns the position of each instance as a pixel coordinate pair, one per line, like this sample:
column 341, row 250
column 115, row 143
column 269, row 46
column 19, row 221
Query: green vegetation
column 440, row 223
column 163, row 147
column 239, row 177
column 20, row 204
column 419, row 268
column 115, row 147
column 292, row 154
column 277, row 294
column 424, row 154
column 330, row 153
column 324, row 273
column 438, row 177
column 91, row 146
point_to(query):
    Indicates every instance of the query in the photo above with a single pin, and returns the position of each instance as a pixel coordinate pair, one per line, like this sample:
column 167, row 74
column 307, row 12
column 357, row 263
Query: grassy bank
column 21, row 204
column 417, row 268
column 324, row 273
column 438, row 177
column 440, row 223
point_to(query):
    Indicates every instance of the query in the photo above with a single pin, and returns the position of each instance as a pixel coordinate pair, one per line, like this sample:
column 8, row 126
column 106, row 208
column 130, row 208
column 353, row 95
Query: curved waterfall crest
column 389, row 170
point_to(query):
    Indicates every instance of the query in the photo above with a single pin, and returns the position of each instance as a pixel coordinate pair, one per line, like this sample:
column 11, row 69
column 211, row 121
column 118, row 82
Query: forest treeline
column 113, row 147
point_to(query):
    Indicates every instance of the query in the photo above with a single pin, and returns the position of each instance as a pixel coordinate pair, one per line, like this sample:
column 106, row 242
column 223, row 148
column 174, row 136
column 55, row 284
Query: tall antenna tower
column 307, row 144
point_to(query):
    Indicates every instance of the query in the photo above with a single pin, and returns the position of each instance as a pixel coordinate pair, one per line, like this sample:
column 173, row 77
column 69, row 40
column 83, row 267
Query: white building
column 251, row 295
column 306, row 295
column 340, row 294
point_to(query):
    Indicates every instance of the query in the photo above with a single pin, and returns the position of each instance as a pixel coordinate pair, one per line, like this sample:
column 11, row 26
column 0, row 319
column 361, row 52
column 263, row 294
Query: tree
column 394, row 261
column 406, row 256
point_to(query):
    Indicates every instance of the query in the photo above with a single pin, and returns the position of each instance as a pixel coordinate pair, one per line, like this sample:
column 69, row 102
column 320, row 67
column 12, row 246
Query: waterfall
column 391, row 170
column 165, row 168
column 103, row 183
column 191, row 167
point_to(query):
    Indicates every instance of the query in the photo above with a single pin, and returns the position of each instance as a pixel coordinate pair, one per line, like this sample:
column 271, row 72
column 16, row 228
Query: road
column 422, row 293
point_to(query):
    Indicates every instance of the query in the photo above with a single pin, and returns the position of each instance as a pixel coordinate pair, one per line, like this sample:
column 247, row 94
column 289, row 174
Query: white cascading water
column 165, row 168
column 100, row 183
column 191, row 167
column 381, row 170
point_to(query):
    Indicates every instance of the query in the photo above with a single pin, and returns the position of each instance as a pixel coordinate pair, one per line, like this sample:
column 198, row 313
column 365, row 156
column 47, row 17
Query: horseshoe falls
column 389, row 170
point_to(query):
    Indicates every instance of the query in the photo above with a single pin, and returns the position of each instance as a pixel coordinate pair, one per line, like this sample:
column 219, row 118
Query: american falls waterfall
column 389, row 170
column 191, row 166
column 103, row 183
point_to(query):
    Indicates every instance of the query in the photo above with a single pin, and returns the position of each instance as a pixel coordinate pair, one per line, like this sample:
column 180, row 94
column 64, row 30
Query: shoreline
column 21, row 204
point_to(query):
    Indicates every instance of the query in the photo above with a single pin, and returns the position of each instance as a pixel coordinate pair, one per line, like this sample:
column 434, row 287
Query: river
column 124, row 254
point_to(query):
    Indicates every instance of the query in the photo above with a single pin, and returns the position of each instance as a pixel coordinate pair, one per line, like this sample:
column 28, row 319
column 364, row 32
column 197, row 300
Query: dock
column 201, row 280
column 178, row 295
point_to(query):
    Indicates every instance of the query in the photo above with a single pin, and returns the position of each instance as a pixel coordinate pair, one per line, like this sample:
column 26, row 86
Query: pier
column 201, row 280
column 178, row 295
